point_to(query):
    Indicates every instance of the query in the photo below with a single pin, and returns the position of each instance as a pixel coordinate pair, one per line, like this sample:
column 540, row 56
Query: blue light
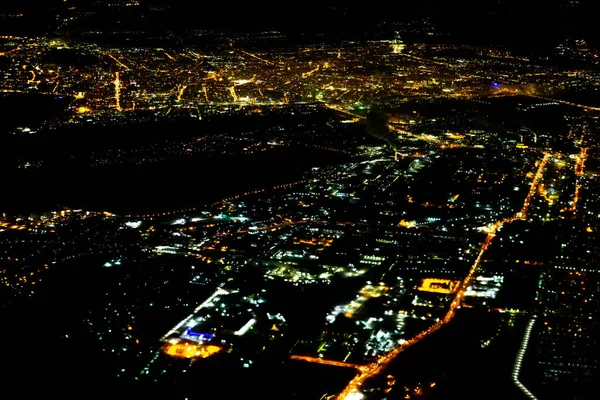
column 495, row 84
column 190, row 332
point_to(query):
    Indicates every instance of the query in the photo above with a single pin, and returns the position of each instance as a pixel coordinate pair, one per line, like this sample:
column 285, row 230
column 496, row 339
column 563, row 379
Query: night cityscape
column 304, row 201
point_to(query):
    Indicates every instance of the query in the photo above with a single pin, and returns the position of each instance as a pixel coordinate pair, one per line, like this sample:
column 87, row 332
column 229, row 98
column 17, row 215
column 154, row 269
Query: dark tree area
column 377, row 126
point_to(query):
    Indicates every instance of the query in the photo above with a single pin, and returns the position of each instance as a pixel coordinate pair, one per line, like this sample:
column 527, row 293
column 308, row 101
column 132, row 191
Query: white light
column 354, row 395
column 245, row 328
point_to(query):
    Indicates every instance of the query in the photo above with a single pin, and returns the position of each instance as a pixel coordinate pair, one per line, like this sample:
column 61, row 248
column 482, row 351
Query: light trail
column 269, row 227
column 32, row 80
column 519, row 360
column 242, row 331
column 170, row 56
column 317, row 360
column 207, row 302
column 118, row 62
column 186, row 56
column 424, row 60
column 257, row 57
column 426, row 138
column 343, row 111
column 198, row 56
column 569, row 103
column 117, row 84
column 233, row 94
column 575, row 200
column 542, row 192
column 533, row 133
column 579, row 171
column 205, row 90
column 375, row 368
column 309, row 73
column 341, row 95
column 445, row 64
column 533, row 188
column 241, row 82
column 581, row 159
column 146, row 68
column 10, row 51
column 181, row 91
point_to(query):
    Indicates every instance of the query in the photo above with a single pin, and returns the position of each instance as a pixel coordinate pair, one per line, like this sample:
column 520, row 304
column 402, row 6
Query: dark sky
column 516, row 21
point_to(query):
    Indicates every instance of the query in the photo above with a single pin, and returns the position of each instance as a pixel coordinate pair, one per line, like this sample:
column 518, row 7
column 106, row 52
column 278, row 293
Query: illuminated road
column 180, row 94
column 257, row 57
column 206, row 303
column 519, row 361
column 269, row 227
column 581, row 158
column 205, row 90
column 343, row 111
column 375, row 368
column 568, row 103
column 579, row 171
column 118, row 62
column 445, row 64
column 573, row 206
column 585, row 107
column 33, row 76
column 533, row 188
column 233, row 94
column 309, row 73
column 169, row 56
column 117, row 84
column 426, row 138
column 317, row 360
column 16, row 49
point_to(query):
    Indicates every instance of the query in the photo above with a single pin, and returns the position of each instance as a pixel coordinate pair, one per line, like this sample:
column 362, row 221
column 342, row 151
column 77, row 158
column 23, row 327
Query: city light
column 312, row 198
column 444, row 286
